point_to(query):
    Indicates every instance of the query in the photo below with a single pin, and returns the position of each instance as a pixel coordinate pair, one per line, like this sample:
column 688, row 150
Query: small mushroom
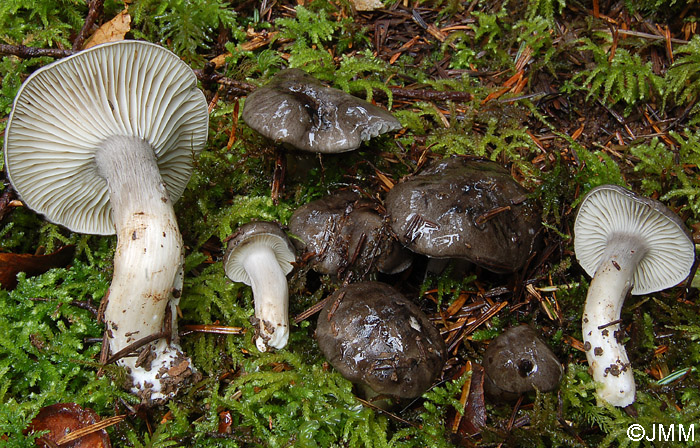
column 102, row 142
column 296, row 109
column 374, row 336
column 344, row 230
column 518, row 362
column 630, row 245
column 464, row 208
column 260, row 255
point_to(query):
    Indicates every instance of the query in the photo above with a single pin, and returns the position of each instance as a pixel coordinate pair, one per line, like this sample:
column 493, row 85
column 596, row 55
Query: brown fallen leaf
column 111, row 31
column 12, row 264
column 62, row 419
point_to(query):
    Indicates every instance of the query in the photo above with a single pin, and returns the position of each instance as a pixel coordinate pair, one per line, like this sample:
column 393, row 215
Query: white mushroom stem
column 270, row 294
column 607, row 358
column 147, row 261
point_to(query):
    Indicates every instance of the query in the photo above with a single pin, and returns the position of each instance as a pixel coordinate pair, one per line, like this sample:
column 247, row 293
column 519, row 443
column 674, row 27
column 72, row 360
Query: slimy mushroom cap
column 296, row 109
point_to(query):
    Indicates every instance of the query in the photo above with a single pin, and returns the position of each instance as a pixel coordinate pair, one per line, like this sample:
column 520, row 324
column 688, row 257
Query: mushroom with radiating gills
column 260, row 255
column 518, row 361
column 102, row 142
column 464, row 208
column 376, row 338
column 629, row 244
column 296, row 109
column 346, row 232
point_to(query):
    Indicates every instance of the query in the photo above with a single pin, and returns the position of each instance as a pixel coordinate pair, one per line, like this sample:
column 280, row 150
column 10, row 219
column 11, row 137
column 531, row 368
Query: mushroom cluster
column 629, row 244
column 102, row 142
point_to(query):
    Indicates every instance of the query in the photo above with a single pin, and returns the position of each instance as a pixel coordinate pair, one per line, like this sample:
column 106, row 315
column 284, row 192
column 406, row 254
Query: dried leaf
column 12, row 264
column 61, row 419
column 111, row 31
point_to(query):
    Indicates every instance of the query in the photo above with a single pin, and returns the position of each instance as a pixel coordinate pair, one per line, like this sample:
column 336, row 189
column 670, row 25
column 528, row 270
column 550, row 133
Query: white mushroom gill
column 147, row 261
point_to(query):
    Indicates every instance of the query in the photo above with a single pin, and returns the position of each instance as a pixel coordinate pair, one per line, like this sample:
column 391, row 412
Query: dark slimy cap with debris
column 517, row 362
column 345, row 231
column 375, row 337
column 464, row 208
column 295, row 108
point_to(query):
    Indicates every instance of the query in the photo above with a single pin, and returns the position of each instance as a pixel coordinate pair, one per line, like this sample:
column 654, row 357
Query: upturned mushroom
column 296, row 109
column 375, row 337
column 630, row 245
column 465, row 208
column 518, row 361
column 260, row 255
column 102, row 142
column 343, row 231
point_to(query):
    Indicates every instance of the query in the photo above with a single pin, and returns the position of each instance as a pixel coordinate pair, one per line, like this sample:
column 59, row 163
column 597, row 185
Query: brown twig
column 235, row 87
column 93, row 13
column 25, row 52
column 135, row 346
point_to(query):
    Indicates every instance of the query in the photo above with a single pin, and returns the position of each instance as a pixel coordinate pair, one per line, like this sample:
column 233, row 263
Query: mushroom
column 517, row 362
column 296, row 109
column 102, row 142
column 465, row 208
column 260, row 255
column 344, row 230
column 375, row 337
column 628, row 244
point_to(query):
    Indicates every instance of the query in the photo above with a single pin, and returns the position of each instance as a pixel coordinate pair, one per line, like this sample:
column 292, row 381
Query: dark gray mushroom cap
column 375, row 337
column 296, row 109
column 462, row 208
column 610, row 211
column 334, row 227
column 517, row 362
column 252, row 234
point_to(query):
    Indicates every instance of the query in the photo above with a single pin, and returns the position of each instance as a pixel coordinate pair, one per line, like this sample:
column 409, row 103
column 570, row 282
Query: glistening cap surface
column 296, row 109
column 66, row 109
column 610, row 211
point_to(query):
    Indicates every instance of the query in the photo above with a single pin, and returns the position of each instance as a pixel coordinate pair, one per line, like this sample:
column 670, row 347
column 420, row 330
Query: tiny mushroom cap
column 296, row 109
column 344, row 230
column 519, row 361
column 102, row 142
column 260, row 255
column 377, row 338
column 629, row 244
column 465, row 208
